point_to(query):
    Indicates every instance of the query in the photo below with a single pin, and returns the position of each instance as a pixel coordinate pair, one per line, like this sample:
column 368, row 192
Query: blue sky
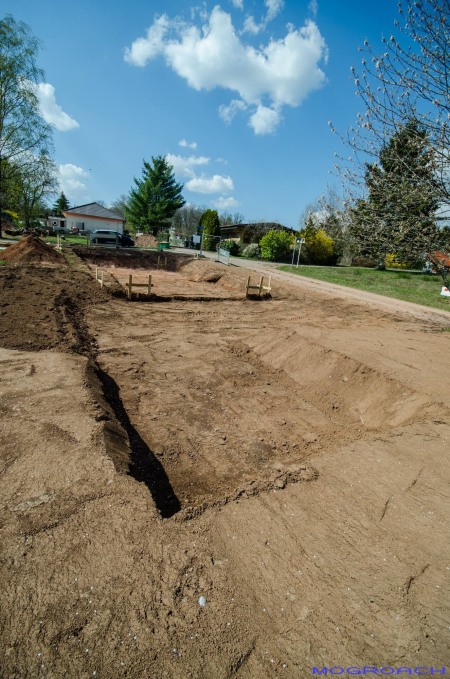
column 238, row 95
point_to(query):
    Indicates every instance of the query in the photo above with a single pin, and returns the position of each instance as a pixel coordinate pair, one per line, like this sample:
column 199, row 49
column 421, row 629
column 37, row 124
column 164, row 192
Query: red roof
column 442, row 258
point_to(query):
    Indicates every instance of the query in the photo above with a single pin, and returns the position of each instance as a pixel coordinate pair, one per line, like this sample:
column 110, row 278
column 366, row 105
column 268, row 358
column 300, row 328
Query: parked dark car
column 106, row 237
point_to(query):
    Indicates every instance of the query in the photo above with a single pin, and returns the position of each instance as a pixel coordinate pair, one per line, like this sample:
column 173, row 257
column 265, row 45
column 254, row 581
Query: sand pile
column 204, row 270
column 147, row 241
column 31, row 249
column 228, row 277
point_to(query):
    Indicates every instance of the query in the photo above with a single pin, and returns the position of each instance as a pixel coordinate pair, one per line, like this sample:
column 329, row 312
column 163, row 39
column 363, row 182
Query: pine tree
column 399, row 214
column 60, row 205
column 155, row 198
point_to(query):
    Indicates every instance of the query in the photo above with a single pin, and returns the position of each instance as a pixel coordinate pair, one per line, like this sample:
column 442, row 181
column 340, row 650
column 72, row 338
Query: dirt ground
column 197, row 485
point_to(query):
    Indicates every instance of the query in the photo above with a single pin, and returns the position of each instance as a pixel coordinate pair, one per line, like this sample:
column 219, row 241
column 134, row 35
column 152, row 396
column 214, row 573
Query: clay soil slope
column 196, row 485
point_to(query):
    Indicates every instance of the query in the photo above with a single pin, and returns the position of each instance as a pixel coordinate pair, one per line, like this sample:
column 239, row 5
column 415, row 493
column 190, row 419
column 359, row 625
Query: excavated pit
column 254, row 405
column 208, row 403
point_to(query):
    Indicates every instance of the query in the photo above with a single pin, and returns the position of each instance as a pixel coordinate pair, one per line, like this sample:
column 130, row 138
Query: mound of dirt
column 228, row 277
column 146, row 241
column 42, row 307
column 203, row 270
column 31, row 249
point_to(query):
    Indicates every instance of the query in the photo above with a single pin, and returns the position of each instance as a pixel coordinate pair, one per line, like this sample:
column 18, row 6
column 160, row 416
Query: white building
column 91, row 217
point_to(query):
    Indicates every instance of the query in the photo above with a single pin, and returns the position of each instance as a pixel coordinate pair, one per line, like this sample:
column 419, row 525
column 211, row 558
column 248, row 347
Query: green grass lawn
column 67, row 240
column 411, row 286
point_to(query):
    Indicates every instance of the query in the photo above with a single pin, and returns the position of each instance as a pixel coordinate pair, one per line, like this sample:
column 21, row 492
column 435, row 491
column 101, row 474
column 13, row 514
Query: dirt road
column 222, row 488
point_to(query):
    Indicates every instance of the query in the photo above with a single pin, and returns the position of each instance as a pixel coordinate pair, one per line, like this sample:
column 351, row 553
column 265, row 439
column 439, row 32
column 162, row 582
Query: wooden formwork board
column 131, row 285
column 260, row 287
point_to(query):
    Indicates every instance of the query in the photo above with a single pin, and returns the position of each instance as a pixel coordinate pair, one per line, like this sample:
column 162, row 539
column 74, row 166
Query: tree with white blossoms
column 406, row 85
column 25, row 138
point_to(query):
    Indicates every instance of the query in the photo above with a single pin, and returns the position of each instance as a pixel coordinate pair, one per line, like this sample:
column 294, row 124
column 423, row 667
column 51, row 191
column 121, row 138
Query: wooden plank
column 131, row 285
column 259, row 287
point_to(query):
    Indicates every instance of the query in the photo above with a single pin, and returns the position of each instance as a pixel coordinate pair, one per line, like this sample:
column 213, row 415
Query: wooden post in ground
column 259, row 287
column 130, row 285
column 149, row 292
column 160, row 264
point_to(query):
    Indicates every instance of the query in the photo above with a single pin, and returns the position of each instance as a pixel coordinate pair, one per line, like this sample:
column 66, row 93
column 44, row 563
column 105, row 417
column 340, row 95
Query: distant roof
column 252, row 225
column 93, row 210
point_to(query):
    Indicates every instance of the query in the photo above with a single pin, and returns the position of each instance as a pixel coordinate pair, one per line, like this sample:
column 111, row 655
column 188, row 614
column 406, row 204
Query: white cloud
column 224, row 203
column 273, row 8
column 187, row 144
column 250, row 25
column 284, row 71
column 313, row 7
column 265, row 120
column 72, row 182
column 184, row 167
column 239, row 4
column 215, row 184
column 51, row 111
column 144, row 49
column 227, row 113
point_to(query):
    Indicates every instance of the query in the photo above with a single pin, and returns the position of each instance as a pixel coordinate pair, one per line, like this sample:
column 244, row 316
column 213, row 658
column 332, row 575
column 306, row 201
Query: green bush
column 319, row 246
column 393, row 262
column 211, row 229
column 275, row 245
column 232, row 246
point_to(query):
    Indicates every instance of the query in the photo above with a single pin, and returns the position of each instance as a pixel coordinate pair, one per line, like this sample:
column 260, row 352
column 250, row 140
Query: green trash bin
column 165, row 245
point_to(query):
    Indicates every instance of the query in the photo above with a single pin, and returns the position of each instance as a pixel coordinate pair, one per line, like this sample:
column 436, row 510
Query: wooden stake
column 149, row 285
column 130, row 285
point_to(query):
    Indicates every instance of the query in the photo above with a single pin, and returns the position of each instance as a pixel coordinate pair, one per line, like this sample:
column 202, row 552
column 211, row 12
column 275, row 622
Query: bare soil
column 285, row 459
column 31, row 249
